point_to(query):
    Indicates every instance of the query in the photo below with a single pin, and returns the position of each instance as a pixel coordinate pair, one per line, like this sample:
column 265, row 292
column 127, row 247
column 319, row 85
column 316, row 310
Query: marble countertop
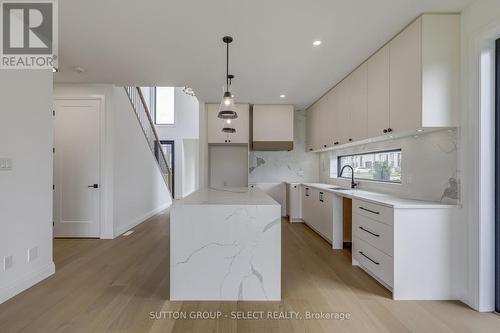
column 228, row 196
column 379, row 198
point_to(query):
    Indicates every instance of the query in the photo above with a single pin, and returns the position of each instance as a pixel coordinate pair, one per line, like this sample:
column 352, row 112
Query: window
column 165, row 108
column 382, row 166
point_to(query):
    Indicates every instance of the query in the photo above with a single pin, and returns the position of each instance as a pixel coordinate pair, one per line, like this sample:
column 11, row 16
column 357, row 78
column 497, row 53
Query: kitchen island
column 225, row 244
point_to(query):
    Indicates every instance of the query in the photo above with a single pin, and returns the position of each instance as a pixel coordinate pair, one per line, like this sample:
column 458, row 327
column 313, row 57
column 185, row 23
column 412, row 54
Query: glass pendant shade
column 226, row 109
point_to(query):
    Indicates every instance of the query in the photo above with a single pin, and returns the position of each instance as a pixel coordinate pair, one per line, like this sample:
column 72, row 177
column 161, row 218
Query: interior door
column 76, row 168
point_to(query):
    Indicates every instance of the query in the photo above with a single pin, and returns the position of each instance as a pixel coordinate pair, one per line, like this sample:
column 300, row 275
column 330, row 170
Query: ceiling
column 178, row 43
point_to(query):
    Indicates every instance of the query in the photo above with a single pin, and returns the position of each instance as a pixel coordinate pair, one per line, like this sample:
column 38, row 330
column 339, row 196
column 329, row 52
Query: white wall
column 279, row 166
column 228, row 165
column 190, row 164
column 186, row 128
column 139, row 188
column 480, row 27
column 429, row 162
column 133, row 188
column 26, row 137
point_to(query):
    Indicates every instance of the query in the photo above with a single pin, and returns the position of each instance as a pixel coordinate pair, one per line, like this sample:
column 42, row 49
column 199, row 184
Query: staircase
column 145, row 120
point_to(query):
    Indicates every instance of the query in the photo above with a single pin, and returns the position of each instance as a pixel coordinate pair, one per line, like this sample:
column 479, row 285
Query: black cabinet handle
column 324, row 146
column 93, row 186
column 307, row 191
column 389, row 130
column 385, row 131
column 364, row 255
column 310, row 149
column 336, row 143
column 321, row 196
column 350, row 140
column 368, row 231
column 369, row 210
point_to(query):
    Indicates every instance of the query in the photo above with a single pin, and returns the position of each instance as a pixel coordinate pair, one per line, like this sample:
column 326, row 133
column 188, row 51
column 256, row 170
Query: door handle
column 93, row 186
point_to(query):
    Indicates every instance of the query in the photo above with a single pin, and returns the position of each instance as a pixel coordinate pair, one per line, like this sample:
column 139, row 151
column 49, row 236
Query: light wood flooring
column 113, row 285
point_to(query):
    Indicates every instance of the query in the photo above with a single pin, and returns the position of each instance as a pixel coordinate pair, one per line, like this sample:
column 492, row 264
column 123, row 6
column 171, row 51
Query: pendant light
column 226, row 109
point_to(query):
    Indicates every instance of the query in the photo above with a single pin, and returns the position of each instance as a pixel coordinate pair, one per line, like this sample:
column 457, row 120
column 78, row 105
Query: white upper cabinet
column 410, row 84
column 378, row 93
column 357, row 83
column 406, row 79
column 240, row 124
column 425, row 74
column 310, row 128
column 342, row 127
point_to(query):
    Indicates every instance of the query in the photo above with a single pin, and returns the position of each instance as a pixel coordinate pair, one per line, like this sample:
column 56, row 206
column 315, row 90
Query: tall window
column 383, row 166
column 165, row 107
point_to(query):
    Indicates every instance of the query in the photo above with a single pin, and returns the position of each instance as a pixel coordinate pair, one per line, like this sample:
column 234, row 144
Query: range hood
column 272, row 127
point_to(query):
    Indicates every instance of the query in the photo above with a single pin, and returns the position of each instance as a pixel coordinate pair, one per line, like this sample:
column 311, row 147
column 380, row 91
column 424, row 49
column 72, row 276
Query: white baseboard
column 26, row 282
column 120, row 230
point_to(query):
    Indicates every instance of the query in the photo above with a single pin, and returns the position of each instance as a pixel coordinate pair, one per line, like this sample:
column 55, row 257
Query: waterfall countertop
column 225, row 245
column 228, row 196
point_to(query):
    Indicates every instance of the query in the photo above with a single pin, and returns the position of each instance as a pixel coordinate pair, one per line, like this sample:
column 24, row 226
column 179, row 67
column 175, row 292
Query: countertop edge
column 416, row 205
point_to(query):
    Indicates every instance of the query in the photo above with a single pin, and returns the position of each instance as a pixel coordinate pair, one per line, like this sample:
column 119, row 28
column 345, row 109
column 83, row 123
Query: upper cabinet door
column 343, row 103
column 378, row 93
column 214, row 125
column 241, row 124
column 406, row 79
column 323, row 111
column 357, row 82
column 310, row 128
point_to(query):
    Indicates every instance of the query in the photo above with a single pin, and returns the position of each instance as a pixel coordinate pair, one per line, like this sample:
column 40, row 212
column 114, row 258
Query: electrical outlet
column 8, row 262
column 32, row 253
column 5, row 164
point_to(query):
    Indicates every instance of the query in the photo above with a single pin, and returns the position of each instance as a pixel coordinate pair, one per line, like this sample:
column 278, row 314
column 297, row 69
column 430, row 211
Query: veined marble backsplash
column 429, row 166
column 292, row 166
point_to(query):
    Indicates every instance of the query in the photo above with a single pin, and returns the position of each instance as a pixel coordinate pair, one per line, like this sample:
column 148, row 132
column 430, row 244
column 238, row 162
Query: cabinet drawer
column 377, row 262
column 374, row 233
column 379, row 213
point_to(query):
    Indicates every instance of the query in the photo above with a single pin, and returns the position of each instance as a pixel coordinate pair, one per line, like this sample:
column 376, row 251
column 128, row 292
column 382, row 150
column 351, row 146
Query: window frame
column 156, row 109
column 339, row 167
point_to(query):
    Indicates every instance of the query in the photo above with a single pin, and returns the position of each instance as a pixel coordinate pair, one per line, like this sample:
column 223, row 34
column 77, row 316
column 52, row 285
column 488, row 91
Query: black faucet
column 353, row 183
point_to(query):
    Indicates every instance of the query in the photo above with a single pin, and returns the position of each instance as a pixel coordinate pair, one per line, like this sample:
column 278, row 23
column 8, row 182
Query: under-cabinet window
column 382, row 166
column 165, row 106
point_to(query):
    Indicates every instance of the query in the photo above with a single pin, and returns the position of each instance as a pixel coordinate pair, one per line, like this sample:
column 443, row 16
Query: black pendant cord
column 227, row 66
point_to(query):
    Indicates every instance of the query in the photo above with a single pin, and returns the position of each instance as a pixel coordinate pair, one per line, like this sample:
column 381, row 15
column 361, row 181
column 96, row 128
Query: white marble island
column 225, row 244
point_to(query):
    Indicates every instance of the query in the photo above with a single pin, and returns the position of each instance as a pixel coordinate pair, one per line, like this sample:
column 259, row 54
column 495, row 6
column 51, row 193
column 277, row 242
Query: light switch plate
column 5, row 164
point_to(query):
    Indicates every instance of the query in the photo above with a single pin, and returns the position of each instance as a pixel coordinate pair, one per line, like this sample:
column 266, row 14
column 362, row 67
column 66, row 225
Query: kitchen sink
column 340, row 189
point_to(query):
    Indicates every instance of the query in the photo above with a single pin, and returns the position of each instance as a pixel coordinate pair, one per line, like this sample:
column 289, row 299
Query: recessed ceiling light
column 79, row 69
column 317, row 43
column 282, row 96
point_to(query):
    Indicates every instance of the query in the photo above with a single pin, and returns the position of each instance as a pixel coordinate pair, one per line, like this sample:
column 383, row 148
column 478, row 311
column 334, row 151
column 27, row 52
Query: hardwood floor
column 114, row 285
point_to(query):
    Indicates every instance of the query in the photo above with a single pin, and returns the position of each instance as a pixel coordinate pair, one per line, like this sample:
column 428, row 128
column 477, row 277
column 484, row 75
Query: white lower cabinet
column 320, row 210
column 294, row 202
column 408, row 250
